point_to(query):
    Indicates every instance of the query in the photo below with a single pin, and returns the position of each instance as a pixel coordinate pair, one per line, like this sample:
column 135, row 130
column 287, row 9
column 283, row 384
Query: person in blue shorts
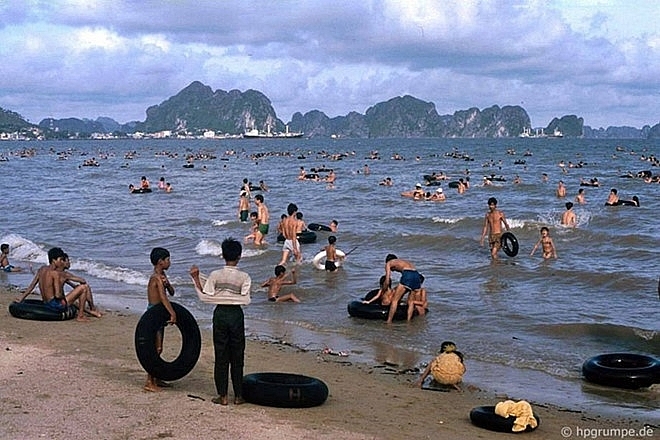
column 4, row 260
column 411, row 280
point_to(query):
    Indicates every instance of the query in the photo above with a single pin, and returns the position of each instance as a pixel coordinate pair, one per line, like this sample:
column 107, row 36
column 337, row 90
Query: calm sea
column 525, row 325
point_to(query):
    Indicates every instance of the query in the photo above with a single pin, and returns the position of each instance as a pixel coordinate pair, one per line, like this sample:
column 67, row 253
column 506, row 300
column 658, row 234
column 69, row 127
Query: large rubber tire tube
column 36, row 310
column 622, row 370
column 284, row 390
column 147, row 328
column 485, row 417
column 358, row 309
column 509, row 244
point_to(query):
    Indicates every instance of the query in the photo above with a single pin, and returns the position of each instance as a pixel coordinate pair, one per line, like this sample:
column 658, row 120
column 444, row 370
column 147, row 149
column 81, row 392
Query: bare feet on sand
column 222, row 400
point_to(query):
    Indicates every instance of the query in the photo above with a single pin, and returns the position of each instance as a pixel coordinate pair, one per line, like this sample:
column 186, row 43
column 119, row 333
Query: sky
column 597, row 59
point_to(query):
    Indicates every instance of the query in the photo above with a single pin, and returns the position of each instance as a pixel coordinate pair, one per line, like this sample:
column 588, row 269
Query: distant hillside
column 12, row 121
column 197, row 109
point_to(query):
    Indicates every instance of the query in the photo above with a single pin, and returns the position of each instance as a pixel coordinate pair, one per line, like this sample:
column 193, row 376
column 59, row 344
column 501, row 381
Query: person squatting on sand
column 447, row 368
column 231, row 287
column 51, row 280
column 158, row 285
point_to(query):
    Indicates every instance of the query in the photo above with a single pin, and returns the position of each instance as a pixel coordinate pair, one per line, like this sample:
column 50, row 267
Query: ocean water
column 524, row 324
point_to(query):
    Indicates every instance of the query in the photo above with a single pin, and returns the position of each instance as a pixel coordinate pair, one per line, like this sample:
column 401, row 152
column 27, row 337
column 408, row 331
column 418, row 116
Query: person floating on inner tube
column 612, row 198
column 493, row 222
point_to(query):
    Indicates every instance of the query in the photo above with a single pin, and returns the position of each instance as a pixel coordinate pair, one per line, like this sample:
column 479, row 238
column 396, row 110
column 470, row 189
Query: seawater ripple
column 510, row 318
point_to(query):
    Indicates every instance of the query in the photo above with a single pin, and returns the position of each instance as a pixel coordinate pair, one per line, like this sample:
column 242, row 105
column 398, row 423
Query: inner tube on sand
column 485, row 417
column 36, row 310
column 509, row 244
column 319, row 259
column 358, row 309
column 622, row 370
column 318, row 227
column 154, row 320
column 304, row 237
column 284, row 390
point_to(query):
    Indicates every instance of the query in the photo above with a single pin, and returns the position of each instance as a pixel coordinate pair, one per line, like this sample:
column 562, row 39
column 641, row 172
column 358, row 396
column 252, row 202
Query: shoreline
column 103, row 396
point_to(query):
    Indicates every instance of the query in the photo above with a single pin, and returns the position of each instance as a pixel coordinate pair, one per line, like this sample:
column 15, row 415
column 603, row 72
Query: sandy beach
column 71, row 380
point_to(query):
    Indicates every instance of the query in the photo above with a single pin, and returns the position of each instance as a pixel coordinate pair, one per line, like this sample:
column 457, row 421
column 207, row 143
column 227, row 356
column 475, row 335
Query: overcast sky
column 598, row 59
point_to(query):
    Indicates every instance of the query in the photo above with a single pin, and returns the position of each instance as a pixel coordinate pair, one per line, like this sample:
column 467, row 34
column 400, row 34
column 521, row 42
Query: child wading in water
column 275, row 284
column 158, row 284
column 548, row 245
column 331, row 254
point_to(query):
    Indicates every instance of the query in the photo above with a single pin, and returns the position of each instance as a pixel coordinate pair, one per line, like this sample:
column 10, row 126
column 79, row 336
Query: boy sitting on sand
column 275, row 284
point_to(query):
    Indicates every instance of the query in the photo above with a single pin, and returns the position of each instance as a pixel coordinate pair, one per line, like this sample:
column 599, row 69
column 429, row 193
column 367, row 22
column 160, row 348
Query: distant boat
column 557, row 133
column 254, row 133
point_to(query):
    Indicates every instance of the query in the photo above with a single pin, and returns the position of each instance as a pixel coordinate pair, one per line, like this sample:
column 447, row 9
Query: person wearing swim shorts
column 493, row 222
column 290, row 233
column 411, row 280
column 264, row 218
column 275, row 284
column 243, row 206
column 4, row 259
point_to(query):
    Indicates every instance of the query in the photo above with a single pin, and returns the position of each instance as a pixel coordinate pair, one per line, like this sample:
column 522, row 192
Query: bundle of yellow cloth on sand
column 521, row 410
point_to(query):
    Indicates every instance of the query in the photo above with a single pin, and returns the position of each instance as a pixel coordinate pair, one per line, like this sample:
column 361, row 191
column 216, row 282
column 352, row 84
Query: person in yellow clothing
column 447, row 368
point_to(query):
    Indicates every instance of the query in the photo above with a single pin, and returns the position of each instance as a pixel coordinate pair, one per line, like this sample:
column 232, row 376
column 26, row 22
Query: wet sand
column 72, row 380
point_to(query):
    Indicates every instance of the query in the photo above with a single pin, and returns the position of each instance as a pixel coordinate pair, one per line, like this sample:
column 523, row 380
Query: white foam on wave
column 209, row 247
column 450, row 221
column 23, row 249
column 100, row 270
column 214, row 248
column 220, row 222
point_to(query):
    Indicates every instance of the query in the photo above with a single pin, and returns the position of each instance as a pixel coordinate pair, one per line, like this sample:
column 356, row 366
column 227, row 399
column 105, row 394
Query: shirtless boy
column 243, row 206
column 568, row 218
column 51, row 280
column 417, row 301
column 493, row 227
column 411, row 280
column 290, row 231
column 264, row 218
column 331, row 254
column 4, row 260
column 275, row 284
column 254, row 218
column 158, row 285
column 547, row 244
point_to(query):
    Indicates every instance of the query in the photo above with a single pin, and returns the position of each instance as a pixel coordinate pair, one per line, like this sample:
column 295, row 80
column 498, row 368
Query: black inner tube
column 151, row 322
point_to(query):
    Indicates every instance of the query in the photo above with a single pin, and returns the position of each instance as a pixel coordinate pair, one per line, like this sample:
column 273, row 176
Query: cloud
column 116, row 58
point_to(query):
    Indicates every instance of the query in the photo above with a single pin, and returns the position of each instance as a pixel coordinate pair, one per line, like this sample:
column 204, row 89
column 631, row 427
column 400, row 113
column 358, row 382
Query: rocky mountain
column 654, row 132
column 622, row 132
column 198, row 108
column 569, row 126
column 12, row 121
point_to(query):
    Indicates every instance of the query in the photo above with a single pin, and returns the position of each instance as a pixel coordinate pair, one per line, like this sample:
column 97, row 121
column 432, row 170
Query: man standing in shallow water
column 493, row 227
column 411, row 281
column 264, row 217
